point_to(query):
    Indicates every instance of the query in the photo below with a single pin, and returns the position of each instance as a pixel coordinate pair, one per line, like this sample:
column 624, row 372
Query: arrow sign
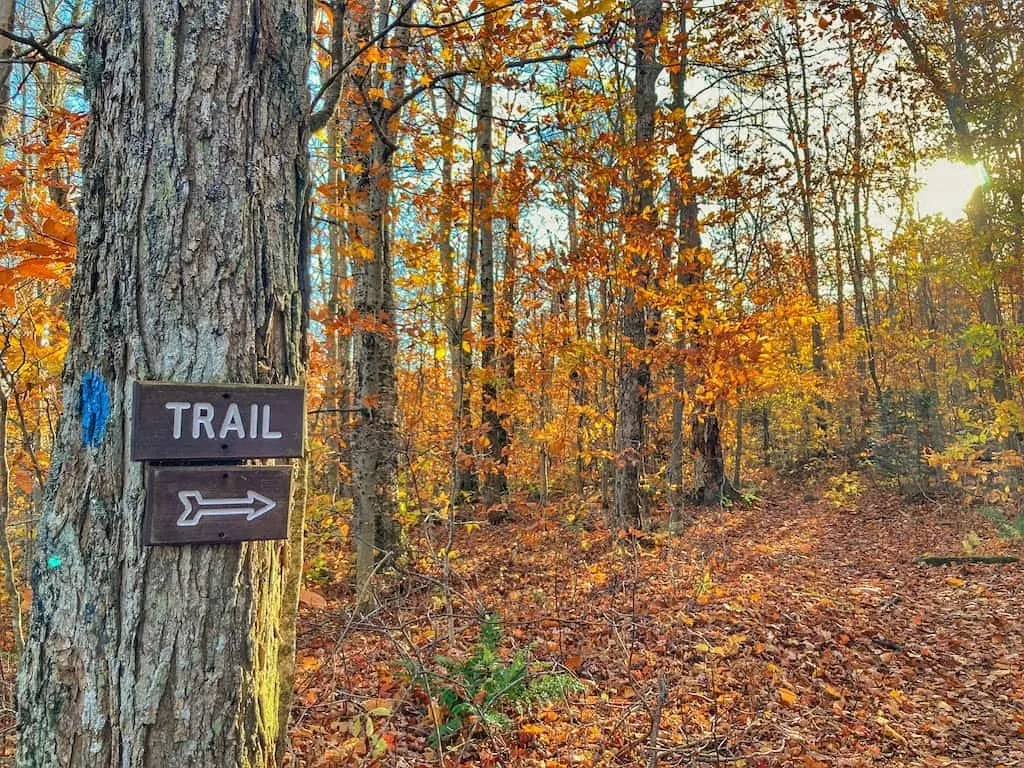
column 196, row 507
column 216, row 505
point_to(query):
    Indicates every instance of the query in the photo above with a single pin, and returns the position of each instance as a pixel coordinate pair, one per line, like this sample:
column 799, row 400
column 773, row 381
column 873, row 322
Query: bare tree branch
column 39, row 47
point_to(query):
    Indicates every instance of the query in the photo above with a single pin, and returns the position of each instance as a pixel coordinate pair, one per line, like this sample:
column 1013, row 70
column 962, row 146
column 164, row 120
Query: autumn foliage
column 532, row 223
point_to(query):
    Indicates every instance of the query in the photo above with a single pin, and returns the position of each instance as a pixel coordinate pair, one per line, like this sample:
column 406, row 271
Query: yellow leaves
column 602, row 6
column 890, row 732
column 788, row 697
column 375, row 55
column 954, row 581
column 729, row 648
column 578, row 66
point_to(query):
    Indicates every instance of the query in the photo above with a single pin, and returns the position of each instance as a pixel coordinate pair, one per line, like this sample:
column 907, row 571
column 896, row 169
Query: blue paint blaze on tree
column 95, row 408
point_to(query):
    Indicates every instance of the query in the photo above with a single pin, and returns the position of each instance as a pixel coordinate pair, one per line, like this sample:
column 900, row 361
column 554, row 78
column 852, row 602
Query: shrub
column 483, row 688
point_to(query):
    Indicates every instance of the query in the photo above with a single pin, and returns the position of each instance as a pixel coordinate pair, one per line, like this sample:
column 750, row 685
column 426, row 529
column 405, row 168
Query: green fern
column 485, row 686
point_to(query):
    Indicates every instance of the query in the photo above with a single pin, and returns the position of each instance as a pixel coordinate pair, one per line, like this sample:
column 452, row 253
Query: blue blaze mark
column 53, row 561
column 95, row 407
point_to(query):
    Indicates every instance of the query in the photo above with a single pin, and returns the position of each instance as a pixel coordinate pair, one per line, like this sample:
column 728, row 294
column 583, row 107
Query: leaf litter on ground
column 787, row 633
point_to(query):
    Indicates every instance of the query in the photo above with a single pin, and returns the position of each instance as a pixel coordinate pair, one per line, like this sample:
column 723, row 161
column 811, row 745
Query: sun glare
column 945, row 188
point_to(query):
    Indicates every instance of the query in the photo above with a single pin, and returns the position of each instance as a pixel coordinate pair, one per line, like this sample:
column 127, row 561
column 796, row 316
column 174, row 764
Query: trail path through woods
column 787, row 633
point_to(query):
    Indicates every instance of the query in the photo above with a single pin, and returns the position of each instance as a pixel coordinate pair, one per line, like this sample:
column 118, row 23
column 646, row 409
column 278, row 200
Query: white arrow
column 196, row 507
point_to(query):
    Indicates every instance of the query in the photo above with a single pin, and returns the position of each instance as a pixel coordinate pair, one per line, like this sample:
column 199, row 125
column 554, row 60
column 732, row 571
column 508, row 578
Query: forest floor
column 793, row 631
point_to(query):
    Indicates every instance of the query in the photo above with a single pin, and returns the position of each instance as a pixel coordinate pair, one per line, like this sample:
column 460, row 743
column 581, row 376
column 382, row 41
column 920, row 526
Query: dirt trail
column 790, row 633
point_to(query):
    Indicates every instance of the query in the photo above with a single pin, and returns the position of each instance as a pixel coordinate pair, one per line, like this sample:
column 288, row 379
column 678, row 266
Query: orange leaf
column 311, row 599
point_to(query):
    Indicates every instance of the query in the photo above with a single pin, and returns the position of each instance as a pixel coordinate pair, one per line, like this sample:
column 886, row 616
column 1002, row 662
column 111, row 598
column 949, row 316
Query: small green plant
column 484, row 687
column 1007, row 528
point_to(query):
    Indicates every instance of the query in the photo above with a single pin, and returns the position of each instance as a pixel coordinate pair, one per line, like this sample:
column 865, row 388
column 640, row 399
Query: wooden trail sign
column 216, row 505
column 210, row 421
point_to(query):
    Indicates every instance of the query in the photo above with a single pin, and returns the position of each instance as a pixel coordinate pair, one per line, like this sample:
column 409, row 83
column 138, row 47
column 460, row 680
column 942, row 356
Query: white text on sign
column 205, row 421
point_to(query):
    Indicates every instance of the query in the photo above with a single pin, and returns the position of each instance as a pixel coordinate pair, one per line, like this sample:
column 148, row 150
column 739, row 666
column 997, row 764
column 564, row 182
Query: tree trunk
column 737, row 458
column 338, row 343
column 686, row 213
column 635, row 374
column 495, row 484
column 862, row 314
column 507, row 319
column 192, row 252
column 374, row 447
column 458, row 307
column 6, row 49
column 713, row 486
column 10, row 586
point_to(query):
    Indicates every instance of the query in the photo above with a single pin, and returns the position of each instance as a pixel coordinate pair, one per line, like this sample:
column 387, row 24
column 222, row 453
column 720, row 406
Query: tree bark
column 10, row 586
column 192, row 265
column 635, row 374
column 374, row 447
column 495, row 485
column 338, row 343
column 458, row 307
column 6, row 49
column 686, row 213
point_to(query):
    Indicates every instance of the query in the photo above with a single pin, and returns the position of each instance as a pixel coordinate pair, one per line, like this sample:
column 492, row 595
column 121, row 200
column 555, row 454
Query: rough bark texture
column 685, row 212
column 458, row 307
column 10, row 587
column 338, row 346
column 635, row 376
column 191, row 268
column 712, row 485
column 495, row 485
column 374, row 446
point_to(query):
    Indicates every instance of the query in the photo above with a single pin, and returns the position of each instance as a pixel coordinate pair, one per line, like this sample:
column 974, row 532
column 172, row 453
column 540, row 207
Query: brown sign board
column 216, row 421
column 216, row 505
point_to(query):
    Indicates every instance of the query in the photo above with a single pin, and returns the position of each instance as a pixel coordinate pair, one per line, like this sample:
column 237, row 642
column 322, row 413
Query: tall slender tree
column 635, row 374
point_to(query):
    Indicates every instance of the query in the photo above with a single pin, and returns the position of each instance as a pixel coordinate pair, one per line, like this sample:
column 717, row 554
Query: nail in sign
column 218, row 505
column 205, row 421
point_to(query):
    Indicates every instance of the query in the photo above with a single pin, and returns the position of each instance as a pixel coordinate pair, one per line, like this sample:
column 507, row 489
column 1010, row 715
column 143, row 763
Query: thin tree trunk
column 495, row 485
column 13, row 596
column 686, row 212
column 635, row 375
column 737, row 458
column 374, row 447
column 338, row 344
column 458, row 312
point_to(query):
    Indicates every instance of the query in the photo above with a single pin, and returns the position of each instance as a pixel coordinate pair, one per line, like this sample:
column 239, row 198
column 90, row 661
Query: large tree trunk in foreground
column 191, row 268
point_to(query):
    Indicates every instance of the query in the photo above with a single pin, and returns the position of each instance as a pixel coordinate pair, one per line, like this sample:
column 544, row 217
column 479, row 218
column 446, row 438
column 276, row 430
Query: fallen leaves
column 808, row 638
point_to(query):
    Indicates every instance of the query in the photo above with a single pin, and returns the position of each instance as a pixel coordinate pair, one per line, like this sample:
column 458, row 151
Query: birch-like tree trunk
column 191, row 267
